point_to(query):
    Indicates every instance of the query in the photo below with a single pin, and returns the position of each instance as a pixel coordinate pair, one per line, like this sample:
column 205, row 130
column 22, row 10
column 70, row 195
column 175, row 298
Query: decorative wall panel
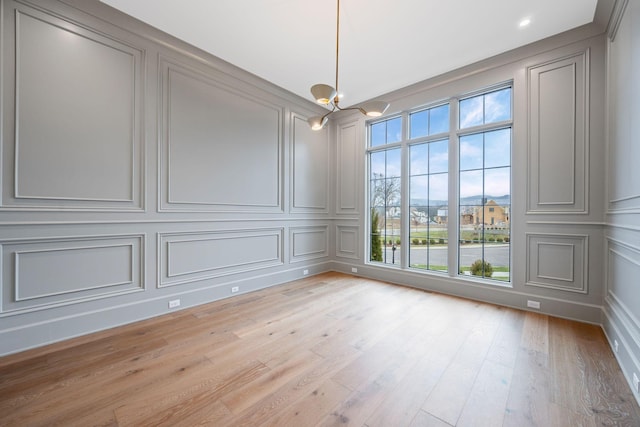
column 221, row 148
column 558, row 261
column 189, row 257
column 348, row 170
column 78, row 119
column 309, row 243
column 558, row 168
column 623, row 112
column 40, row 273
column 623, row 270
column 347, row 238
column 310, row 166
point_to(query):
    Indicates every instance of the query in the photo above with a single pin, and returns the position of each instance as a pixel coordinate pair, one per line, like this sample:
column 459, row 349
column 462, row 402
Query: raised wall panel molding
column 347, row 239
column 348, row 172
column 38, row 274
column 623, row 270
column 558, row 261
column 210, row 159
column 310, row 167
column 558, row 135
column 307, row 243
column 73, row 143
column 621, row 329
column 194, row 256
column 570, row 223
column 633, row 209
column 623, row 174
column 623, row 312
column 622, row 318
column 624, row 227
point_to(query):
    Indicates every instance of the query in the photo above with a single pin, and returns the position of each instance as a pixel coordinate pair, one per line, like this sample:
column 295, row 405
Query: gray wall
column 622, row 246
column 138, row 170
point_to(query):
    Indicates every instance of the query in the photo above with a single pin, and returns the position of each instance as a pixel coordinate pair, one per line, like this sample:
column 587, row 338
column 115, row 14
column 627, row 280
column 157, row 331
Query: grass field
column 443, row 269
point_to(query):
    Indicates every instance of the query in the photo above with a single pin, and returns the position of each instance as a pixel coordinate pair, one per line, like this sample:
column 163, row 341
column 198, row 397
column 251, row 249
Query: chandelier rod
column 337, row 47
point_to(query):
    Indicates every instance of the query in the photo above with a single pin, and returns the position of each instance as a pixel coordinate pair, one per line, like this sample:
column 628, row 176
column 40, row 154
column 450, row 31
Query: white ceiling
column 384, row 45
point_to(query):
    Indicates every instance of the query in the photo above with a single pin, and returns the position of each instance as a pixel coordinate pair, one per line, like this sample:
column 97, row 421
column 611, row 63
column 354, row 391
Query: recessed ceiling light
column 525, row 22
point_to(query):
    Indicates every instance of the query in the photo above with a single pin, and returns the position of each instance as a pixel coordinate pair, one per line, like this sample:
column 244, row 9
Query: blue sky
column 485, row 157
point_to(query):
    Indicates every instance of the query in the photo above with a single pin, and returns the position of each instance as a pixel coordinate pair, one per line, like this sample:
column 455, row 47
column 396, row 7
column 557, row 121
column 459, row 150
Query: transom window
column 451, row 205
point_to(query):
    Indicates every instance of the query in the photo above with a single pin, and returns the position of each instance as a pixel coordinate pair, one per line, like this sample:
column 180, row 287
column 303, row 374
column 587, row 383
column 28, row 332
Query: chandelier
column 327, row 95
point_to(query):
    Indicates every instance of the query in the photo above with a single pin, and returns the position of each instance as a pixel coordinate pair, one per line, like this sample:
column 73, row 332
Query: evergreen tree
column 376, row 245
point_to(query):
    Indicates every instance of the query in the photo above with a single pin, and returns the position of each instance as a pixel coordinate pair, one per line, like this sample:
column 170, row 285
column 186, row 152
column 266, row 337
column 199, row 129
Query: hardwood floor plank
column 568, row 369
column 292, row 309
column 184, row 396
column 211, row 414
column 506, row 344
column 367, row 397
column 535, row 332
column 530, row 394
column 400, row 406
column 376, row 358
column 494, row 380
column 80, row 402
column 424, row 419
column 610, row 397
column 307, row 411
column 561, row 416
column 241, row 398
column 90, row 376
column 448, row 398
column 42, row 390
column 274, row 404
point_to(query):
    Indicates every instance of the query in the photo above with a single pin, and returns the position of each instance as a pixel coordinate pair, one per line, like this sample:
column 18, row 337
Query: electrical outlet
column 615, row 345
column 174, row 303
column 533, row 304
column 235, row 289
column 354, row 270
column 636, row 383
column 305, row 272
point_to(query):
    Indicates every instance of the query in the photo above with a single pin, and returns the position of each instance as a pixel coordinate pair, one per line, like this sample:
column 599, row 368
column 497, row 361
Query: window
column 384, row 183
column 410, row 155
column 429, row 189
column 485, row 186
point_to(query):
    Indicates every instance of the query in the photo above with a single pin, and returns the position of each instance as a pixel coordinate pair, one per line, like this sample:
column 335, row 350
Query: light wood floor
column 328, row 350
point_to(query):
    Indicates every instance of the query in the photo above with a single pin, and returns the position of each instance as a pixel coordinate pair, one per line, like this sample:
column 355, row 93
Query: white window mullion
column 404, row 185
column 454, row 216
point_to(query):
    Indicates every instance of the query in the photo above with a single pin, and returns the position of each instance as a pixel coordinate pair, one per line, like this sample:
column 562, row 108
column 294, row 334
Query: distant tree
column 376, row 244
column 384, row 193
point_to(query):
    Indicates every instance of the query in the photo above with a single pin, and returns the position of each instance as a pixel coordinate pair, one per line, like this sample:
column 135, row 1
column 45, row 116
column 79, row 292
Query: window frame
column 453, row 136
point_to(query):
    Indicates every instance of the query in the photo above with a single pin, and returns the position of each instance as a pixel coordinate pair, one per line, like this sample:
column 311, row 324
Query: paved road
column 496, row 254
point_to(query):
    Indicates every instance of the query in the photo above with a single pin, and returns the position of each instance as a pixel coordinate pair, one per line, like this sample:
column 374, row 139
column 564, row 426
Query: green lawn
column 432, row 268
column 443, row 268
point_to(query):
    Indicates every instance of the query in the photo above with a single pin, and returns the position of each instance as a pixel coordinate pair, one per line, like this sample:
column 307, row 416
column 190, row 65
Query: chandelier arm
column 332, row 111
column 348, row 108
